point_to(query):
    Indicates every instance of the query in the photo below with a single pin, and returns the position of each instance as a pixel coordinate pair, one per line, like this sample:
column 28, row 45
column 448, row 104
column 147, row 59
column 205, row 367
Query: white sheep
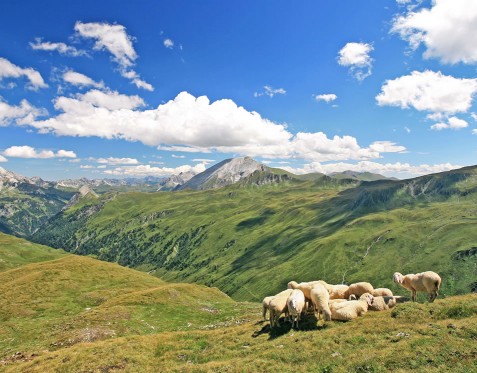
column 277, row 306
column 350, row 310
column 382, row 292
column 382, row 303
column 359, row 288
column 337, row 291
column 428, row 282
column 320, row 298
column 265, row 303
column 296, row 305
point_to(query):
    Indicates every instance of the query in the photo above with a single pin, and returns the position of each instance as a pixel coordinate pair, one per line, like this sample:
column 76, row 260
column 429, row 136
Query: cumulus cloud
column 388, row 169
column 452, row 123
column 9, row 70
column 168, row 43
column 81, row 80
column 327, row 97
column 117, row 161
column 429, row 91
column 61, row 48
column 24, row 113
column 474, row 116
column 148, row 170
column 29, row 152
column 3, row 159
column 116, row 41
column 448, row 30
column 356, row 57
column 270, row 92
column 190, row 124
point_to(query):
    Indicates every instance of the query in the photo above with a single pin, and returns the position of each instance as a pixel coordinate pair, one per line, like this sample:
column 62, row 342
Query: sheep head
column 292, row 285
column 398, row 278
column 368, row 297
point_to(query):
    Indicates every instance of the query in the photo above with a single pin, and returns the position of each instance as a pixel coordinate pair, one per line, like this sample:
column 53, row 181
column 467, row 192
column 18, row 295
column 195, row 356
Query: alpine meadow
column 238, row 186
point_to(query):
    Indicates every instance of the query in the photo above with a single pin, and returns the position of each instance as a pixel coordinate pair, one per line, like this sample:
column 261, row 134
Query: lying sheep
column 382, row 292
column 382, row 303
column 277, row 306
column 320, row 298
column 295, row 305
column 359, row 288
column 428, row 282
column 338, row 291
column 350, row 310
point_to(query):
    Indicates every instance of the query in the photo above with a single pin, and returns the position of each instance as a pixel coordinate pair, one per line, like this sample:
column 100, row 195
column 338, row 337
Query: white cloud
column 387, row 169
column 178, row 156
column 147, row 170
column 61, row 48
column 9, row 70
column 168, row 43
column 474, row 116
column 3, row 159
column 327, row 97
column 356, row 57
column 29, row 152
column 78, row 79
column 24, row 113
column 270, row 92
column 117, row 161
column 190, row 124
column 86, row 167
column 115, row 40
column 203, row 160
column 429, row 91
column 474, row 132
column 448, row 30
column 452, row 123
column 407, row 129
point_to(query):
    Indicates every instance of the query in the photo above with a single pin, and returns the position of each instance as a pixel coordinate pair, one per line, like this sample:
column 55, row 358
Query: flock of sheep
column 343, row 302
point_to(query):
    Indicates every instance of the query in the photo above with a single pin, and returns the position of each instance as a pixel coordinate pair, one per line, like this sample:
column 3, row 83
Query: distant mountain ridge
column 230, row 171
column 361, row 176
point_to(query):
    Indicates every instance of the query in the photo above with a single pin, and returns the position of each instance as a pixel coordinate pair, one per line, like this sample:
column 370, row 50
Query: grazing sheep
column 350, row 310
column 265, row 303
column 382, row 292
column 320, row 298
column 381, row 303
column 359, row 288
column 305, row 287
column 296, row 305
column 277, row 306
column 428, row 282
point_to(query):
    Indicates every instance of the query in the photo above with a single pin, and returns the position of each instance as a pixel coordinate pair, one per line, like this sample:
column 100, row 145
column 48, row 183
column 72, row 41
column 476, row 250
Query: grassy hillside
column 58, row 303
column 77, row 314
column 15, row 252
column 240, row 237
column 437, row 337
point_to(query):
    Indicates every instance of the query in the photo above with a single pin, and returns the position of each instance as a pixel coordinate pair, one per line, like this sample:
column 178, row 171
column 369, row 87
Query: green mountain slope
column 58, row 303
column 239, row 238
column 24, row 207
column 15, row 252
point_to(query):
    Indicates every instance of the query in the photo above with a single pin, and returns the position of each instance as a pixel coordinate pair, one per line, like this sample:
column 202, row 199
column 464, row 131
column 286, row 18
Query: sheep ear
column 370, row 299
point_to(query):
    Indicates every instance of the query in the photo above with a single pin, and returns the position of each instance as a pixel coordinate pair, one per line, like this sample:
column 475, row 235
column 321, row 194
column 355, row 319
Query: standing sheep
column 265, row 303
column 428, row 282
column 320, row 298
column 350, row 310
column 277, row 306
column 296, row 305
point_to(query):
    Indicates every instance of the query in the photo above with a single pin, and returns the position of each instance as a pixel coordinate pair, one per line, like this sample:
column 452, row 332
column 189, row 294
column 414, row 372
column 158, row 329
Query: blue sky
column 139, row 88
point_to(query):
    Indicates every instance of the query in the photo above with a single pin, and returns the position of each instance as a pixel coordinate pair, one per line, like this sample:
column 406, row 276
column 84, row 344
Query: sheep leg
column 414, row 295
column 264, row 313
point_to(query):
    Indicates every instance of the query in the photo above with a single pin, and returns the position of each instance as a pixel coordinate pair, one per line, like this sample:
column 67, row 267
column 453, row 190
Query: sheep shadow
column 307, row 323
